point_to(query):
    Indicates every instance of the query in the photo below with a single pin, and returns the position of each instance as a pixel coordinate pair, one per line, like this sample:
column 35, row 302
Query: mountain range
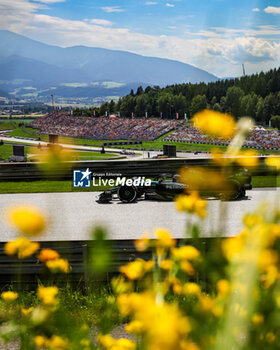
column 29, row 68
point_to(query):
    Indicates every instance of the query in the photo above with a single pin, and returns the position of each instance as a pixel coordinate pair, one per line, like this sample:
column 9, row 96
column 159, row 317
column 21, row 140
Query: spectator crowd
column 101, row 128
column 259, row 138
column 113, row 128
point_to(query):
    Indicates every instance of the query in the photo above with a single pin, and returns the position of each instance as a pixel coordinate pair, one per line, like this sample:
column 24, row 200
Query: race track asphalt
column 71, row 216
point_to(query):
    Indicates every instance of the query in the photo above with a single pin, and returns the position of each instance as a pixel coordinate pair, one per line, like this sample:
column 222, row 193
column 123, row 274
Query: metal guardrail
column 77, row 253
column 140, row 167
column 152, row 167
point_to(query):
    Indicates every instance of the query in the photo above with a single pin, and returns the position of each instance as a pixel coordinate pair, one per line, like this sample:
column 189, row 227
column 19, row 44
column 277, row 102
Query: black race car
column 165, row 189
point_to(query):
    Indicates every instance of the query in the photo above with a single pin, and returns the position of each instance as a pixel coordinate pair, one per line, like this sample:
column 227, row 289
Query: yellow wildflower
column 106, row 341
column 166, row 264
column 271, row 276
column 270, row 337
column 164, row 327
column 48, row 295
column 23, row 247
column 58, row 265
column 136, row 269
column 143, row 243
column 191, row 288
column 233, row 246
column 223, row 287
column 215, row 123
column 187, row 252
column 164, row 238
column 85, row 342
column 135, row 327
column 41, row 341
column 207, row 304
column 58, row 343
column 257, row 319
column 120, row 285
column 27, row 219
column 48, row 254
column 26, row 312
column 247, row 158
column 9, row 296
column 187, row 267
column 273, row 162
column 124, row 344
column 192, row 204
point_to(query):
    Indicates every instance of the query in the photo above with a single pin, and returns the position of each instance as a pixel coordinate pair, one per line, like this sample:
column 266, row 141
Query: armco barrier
column 78, row 254
column 143, row 167
column 150, row 167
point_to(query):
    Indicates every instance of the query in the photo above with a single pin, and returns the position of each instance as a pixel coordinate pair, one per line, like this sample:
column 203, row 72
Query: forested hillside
column 257, row 96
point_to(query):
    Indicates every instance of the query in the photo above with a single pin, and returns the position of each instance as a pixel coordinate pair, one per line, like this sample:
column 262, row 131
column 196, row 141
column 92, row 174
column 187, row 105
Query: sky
column 214, row 35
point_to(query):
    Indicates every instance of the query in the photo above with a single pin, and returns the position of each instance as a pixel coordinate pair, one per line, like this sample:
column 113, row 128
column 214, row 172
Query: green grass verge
column 7, row 150
column 8, row 126
column 46, row 186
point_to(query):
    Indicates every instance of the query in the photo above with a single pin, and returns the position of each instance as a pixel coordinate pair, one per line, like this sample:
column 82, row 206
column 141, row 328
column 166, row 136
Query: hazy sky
column 215, row 35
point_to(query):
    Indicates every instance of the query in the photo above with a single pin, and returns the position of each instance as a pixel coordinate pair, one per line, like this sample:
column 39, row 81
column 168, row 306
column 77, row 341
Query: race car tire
column 235, row 191
column 127, row 194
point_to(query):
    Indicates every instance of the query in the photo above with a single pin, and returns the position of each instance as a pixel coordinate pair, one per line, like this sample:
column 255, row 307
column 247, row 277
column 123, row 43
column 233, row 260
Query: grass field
column 147, row 145
column 45, row 186
column 7, row 150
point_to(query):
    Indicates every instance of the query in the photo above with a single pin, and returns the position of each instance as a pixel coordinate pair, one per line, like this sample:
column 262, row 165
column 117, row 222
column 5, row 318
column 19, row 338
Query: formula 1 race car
column 162, row 189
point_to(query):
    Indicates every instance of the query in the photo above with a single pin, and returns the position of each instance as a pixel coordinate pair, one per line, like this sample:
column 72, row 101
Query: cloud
column 101, row 22
column 272, row 10
column 256, row 9
column 218, row 50
column 111, row 9
column 151, row 3
column 170, row 5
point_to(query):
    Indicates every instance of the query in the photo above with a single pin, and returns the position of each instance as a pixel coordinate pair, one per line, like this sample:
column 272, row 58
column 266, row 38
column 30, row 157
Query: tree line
column 257, row 96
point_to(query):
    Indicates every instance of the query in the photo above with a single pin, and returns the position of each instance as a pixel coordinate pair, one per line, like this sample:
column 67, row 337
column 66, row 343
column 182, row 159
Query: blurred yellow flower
column 52, row 158
column 41, row 341
column 187, row 267
column 48, row 254
column 257, row 319
column 192, row 204
column 273, row 162
column 9, row 296
column 191, row 288
column 166, row 264
column 186, row 252
column 120, row 285
column 270, row 337
column 26, row 312
column 48, row 295
column 27, row 219
column 135, row 327
column 164, row 239
column 23, row 247
column 223, row 287
column 215, row 123
column 142, row 243
column 136, row 269
column 58, row 265
column 109, row 343
column 164, row 327
column 58, row 343
column 207, row 304
column 248, row 158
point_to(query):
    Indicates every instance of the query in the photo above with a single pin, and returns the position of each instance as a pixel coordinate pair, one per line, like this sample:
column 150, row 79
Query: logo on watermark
column 81, row 178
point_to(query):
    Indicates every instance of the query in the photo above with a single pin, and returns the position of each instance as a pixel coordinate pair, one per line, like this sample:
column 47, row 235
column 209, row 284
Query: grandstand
column 64, row 124
column 259, row 138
